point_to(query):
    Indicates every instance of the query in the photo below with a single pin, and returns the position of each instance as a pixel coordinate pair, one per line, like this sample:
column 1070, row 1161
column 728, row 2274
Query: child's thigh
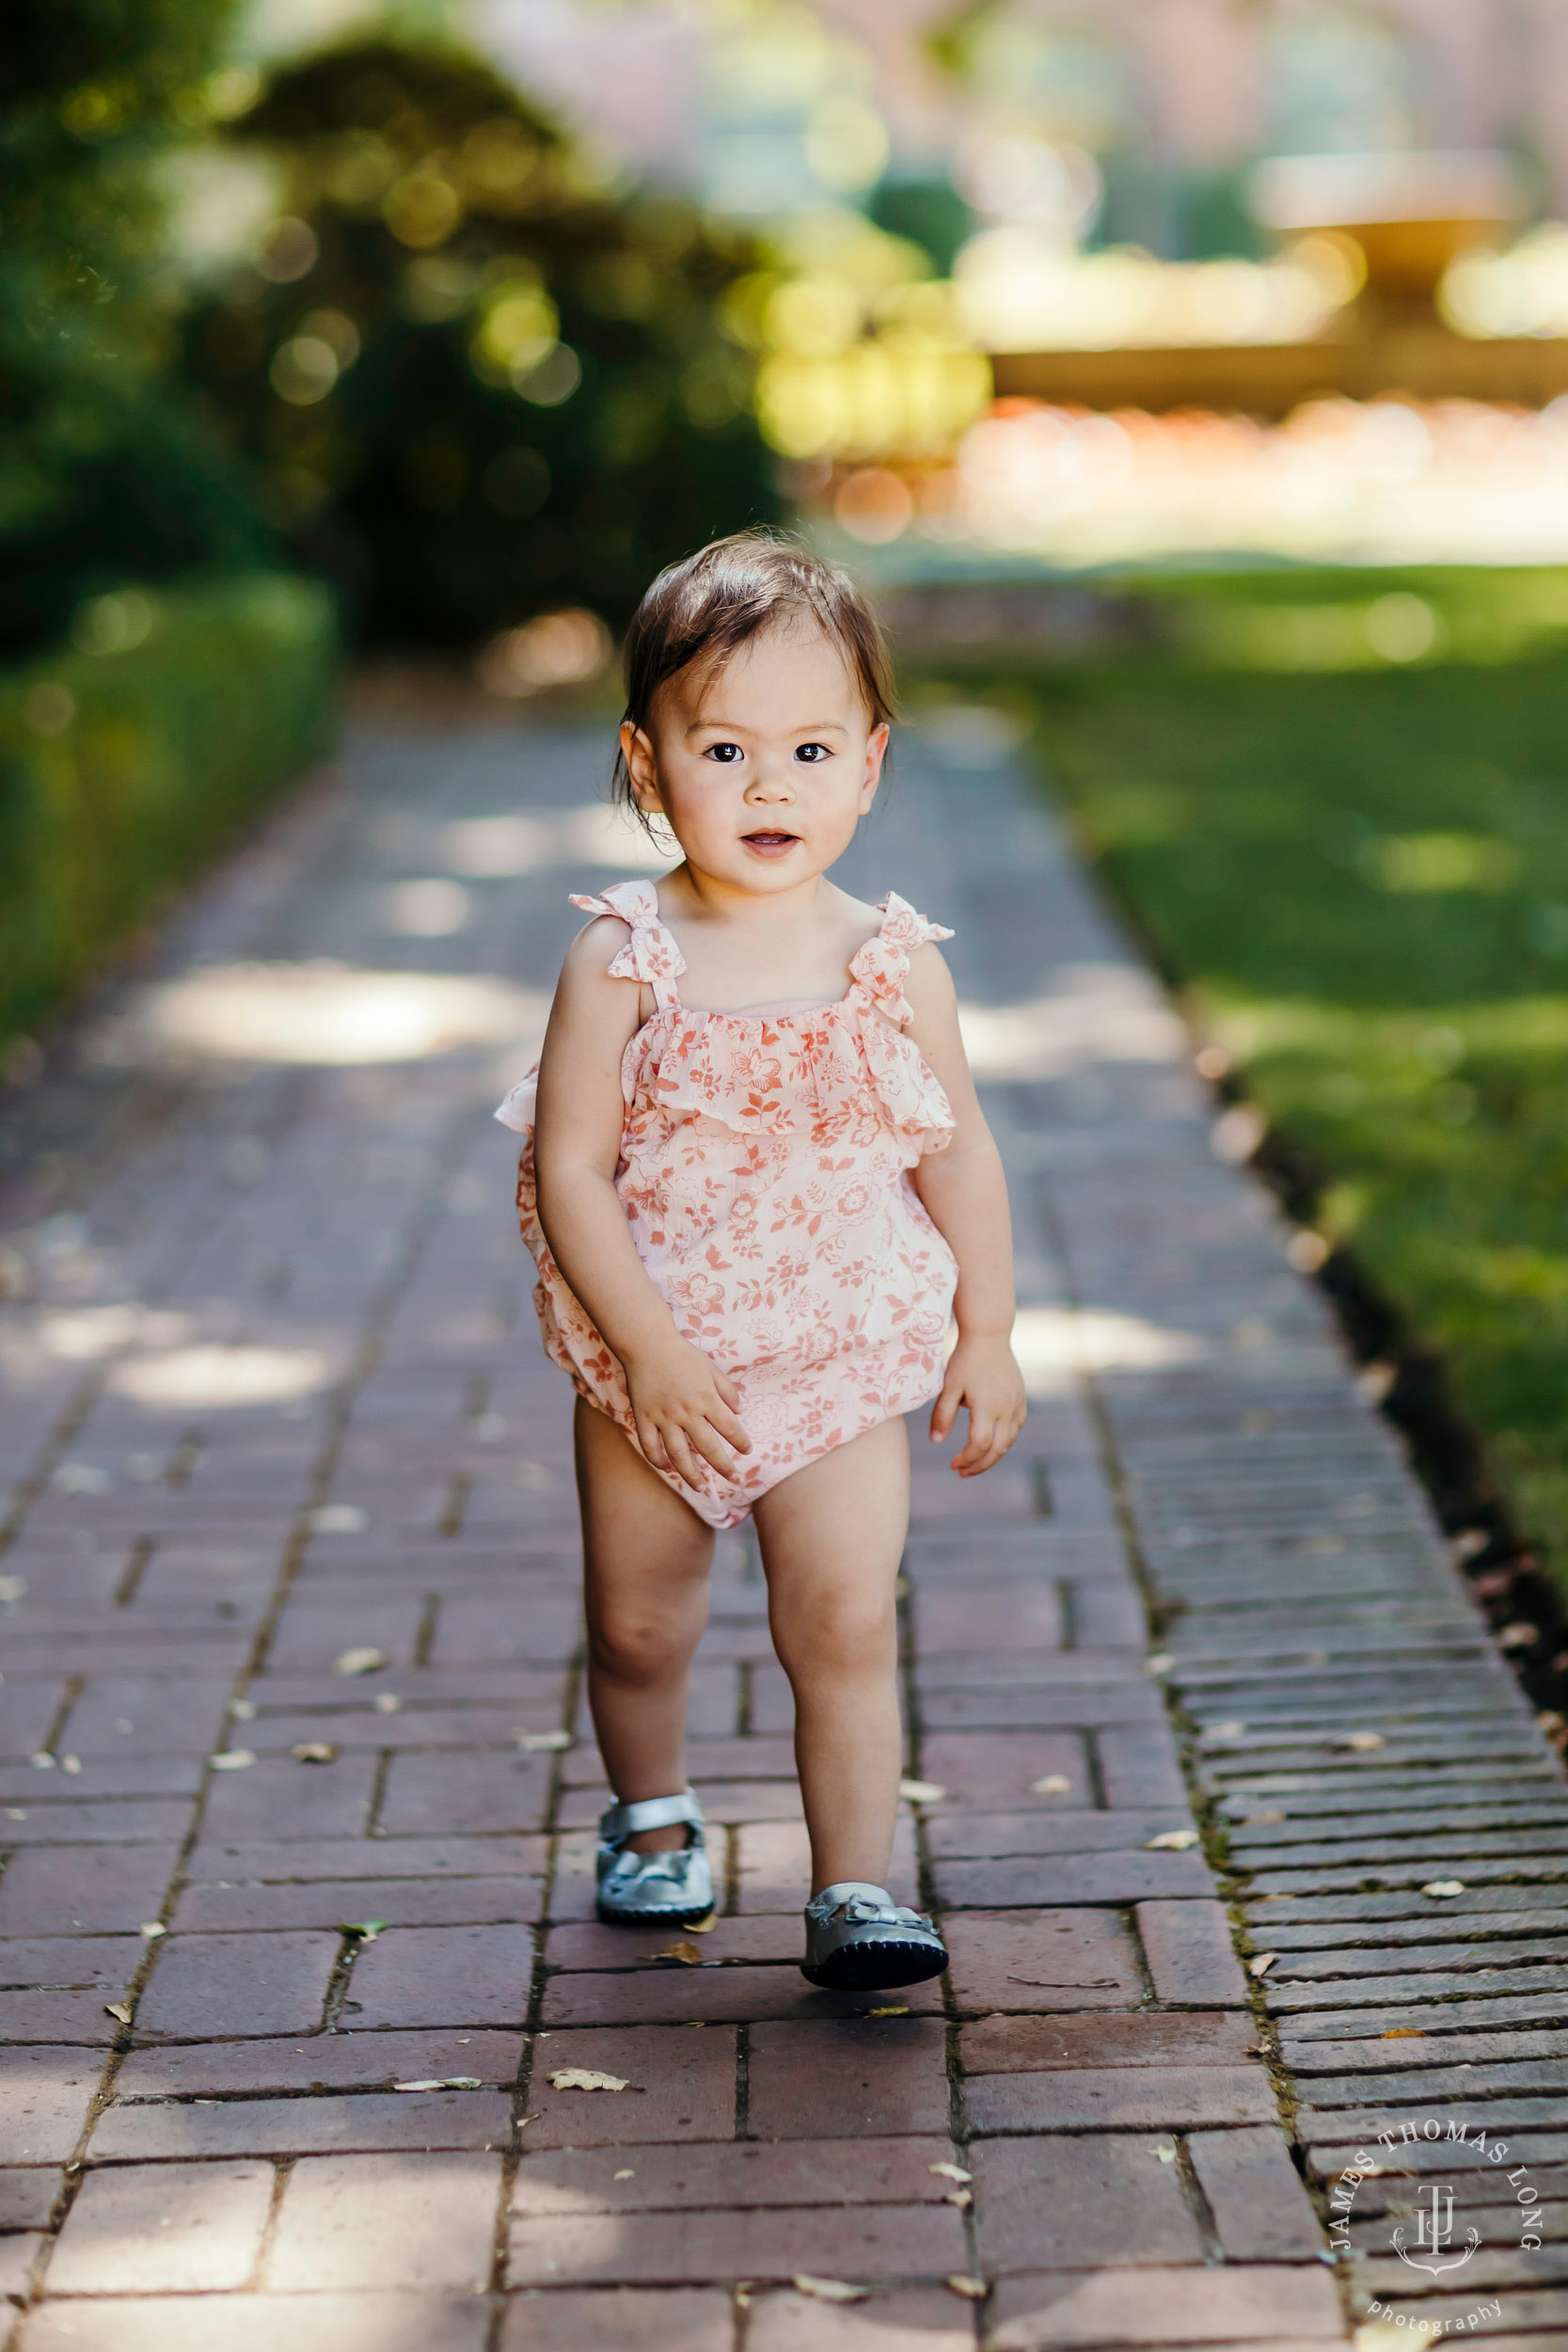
column 639, row 1538
column 841, row 1520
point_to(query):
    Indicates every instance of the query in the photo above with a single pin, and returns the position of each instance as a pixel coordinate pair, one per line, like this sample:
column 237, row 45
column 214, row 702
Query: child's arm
column 683, row 1405
column 965, row 1195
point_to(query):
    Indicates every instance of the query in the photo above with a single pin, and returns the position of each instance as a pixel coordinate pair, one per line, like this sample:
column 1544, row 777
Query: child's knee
column 637, row 1649
column 852, row 1635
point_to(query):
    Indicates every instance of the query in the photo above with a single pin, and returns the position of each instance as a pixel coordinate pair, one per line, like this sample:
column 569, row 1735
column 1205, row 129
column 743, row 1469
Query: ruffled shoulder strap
column 651, row 953
column 881, row 967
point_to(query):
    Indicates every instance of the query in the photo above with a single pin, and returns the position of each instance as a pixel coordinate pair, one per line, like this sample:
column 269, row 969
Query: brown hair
column 705, row 607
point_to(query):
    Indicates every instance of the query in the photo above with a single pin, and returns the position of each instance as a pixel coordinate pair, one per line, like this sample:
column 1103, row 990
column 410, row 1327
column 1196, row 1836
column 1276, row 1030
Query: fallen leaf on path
column 1166, row 2154
column 1160, row 1664
column 152, row 1929
column 973, row 2290
column 963, row 2198
column 1261, row 1963
column 387, row 1703
column 243, row 1710
column 232, row 1760
column 828, row 2289
column 1245, row 1819
column 367, row 1930
column 922, row 1791
column 314, row 1751
column 1362, row 1741
column 891, row 2008
column 627, row 2172
column 70, row 1763
column 950, row 2171
column 1226, row 1731
column 586, row 2078
column 687, row 1954
column 1444, row 1886
column 338, row 1518
column 360, row 1662
column 442, row 2082
column 1403, row 2033
column 534, row 1740
column 703, row 1926
column 119, row 2009
column 1172, row 1842
column 1053, row 1785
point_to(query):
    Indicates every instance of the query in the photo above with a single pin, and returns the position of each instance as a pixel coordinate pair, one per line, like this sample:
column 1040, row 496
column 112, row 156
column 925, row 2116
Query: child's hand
column 982, row 1375
column 684, row 1408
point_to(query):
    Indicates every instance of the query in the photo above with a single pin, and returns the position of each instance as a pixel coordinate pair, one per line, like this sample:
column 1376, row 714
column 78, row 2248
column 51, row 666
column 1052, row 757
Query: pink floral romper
column 765, row 1173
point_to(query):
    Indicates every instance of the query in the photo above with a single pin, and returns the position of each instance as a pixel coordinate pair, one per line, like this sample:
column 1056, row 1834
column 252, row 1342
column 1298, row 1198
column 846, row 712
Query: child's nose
column 770, row 783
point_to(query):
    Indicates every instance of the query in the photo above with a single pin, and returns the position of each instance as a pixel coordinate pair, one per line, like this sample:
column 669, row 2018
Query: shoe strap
column 630, row 1821
column 862, row 1905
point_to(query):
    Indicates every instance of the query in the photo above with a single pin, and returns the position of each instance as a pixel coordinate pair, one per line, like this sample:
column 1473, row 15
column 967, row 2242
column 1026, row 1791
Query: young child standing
column 756, row 1181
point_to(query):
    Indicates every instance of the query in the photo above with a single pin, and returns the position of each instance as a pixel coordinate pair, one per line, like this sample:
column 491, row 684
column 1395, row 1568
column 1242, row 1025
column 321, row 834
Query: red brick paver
column 290, row 1619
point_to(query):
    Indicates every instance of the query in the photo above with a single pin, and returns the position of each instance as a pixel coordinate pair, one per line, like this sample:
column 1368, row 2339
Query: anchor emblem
column 1435, row 2235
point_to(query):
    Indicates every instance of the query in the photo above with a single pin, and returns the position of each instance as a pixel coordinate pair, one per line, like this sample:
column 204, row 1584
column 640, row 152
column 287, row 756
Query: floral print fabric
column 765, row 1173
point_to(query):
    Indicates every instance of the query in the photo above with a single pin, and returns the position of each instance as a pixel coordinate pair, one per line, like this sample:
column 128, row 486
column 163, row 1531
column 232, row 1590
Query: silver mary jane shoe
column 675, row 1885
column 858, row 1940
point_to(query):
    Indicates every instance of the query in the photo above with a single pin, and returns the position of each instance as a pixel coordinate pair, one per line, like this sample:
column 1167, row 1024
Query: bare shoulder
column 592, row 953
column 929, row 985
column 860, row 920
column 589, row 1003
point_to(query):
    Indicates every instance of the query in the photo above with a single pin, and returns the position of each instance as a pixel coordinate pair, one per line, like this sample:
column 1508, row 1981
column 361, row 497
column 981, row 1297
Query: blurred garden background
column 1189, row 377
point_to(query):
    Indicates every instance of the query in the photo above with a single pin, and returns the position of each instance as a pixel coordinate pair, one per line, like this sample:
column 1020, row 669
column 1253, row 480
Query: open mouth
column 771, row 844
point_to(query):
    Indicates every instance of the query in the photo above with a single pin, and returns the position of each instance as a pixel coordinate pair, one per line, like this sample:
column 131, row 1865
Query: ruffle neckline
column 877, row 968
column 773, row 1074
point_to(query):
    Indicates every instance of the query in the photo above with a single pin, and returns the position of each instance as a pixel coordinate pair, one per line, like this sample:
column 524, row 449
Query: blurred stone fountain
column 1357, row 302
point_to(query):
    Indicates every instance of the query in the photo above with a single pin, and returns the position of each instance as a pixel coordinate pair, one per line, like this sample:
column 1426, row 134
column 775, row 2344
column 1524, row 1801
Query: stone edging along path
column 291, row 1620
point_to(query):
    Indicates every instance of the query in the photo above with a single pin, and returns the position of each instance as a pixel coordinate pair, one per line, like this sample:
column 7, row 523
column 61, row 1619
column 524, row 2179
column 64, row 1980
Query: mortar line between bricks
column 1198, row 2204
column 283, row 2170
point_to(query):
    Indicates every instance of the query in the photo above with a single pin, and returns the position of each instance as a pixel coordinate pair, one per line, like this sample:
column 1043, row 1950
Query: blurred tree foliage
column 105, row 470
column 477, row 384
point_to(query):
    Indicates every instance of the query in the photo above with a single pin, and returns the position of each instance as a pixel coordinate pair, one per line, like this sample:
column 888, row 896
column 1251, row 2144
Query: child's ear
column 876, row 751
column 642, row 768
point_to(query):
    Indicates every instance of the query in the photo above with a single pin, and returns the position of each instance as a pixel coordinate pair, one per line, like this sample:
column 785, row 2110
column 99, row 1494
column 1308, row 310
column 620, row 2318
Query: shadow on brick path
column 297, row 1792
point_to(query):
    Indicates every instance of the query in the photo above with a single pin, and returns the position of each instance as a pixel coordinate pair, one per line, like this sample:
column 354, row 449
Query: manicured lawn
column 1356, row 867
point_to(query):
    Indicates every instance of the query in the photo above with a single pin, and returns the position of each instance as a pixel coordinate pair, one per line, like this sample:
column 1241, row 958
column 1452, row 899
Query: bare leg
column 646, row 1556
column 833, row 1535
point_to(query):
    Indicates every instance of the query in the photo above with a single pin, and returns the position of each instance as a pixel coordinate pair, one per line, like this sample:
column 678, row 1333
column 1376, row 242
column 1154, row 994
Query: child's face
column 764, row 767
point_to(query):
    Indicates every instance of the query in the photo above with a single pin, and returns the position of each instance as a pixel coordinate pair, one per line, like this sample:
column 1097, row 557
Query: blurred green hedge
column 471, row 382
column 126, row 761
column 107, row 469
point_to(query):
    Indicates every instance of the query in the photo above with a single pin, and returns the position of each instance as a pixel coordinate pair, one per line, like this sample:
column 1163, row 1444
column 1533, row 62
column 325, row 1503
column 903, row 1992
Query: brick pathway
column 297, row 1903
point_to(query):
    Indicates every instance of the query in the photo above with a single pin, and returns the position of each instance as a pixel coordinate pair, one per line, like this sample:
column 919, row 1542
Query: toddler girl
column 756, row 1181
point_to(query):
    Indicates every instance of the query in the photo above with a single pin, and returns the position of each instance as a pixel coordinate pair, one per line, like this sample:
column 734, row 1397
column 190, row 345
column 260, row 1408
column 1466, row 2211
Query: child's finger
column 977, row 1454
column 730, row 1427
column 705, row 1440
column 944, row 1412
column 682, row 1459
column 653, row 1445
column 727, row 1390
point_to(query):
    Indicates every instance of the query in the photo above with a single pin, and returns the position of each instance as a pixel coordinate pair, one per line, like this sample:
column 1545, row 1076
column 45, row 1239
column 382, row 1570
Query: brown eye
column 726, row 754
column 813, row 753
